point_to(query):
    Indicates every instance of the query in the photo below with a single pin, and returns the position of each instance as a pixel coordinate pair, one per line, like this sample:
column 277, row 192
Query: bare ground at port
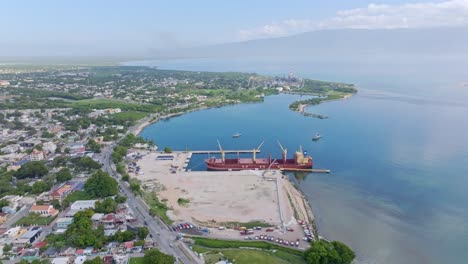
column 226, row 196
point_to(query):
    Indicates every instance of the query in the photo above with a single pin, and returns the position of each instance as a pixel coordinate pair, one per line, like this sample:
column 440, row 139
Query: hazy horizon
column 148, row 29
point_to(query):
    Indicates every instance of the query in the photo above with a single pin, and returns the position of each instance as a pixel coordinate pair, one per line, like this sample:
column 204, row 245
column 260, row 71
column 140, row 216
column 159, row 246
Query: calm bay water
column 397, row 150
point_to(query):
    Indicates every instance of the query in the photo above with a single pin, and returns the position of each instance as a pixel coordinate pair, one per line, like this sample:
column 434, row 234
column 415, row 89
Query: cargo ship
column 300, row 161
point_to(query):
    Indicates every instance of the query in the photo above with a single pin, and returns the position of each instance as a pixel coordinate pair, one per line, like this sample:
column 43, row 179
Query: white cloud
column 374, row 16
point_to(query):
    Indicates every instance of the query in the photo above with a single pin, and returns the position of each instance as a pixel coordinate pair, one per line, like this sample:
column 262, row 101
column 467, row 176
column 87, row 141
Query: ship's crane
column 285, row 152
column 255, row 150
column 222, row 151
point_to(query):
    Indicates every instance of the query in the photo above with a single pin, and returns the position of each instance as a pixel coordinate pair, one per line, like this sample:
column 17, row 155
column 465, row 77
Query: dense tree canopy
column 324, row 252
column 40, row 187
column 120, row 199
column 63, row 175
column 101, row 185
column 142, row 232
column 32, row 169
column 60, row 161
column 154, row 256
column 81, row 234
column 109, row 205
column 86, row 163
column 124, row 236
column 93, row 146
column 4, row 203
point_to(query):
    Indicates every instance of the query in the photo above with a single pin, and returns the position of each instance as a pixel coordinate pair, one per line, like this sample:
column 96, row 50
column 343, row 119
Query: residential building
column 61, row 260
column 83, row 204
column 60, row 193
column 76, row 148
column 14, row 203
column 36, row 155
column 55, row 129
column 49, row 147
column 44, row 210
column 80, row 260
column 28, row 237
column 63, row 223
column 3, row 217
column 13, row 232
column 52, row 252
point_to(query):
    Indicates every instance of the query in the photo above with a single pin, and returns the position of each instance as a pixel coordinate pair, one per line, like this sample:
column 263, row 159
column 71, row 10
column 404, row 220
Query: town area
column 78, row 185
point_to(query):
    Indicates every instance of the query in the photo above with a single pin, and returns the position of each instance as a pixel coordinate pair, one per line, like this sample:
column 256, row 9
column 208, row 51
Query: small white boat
column 316, row 137
column 236, row 135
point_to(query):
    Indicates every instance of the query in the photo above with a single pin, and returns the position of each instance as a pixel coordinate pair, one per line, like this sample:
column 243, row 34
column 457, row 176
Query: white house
column 49, row 147
column 83, row 204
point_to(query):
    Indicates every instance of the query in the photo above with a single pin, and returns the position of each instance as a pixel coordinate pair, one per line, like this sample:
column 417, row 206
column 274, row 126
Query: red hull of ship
column 259, row 164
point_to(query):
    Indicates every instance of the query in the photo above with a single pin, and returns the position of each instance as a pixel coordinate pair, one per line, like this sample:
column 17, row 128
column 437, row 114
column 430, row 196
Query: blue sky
column 49, row 27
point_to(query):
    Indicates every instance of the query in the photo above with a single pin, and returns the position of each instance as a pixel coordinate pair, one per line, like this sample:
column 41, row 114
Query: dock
column 308, row 170
column 225, row 151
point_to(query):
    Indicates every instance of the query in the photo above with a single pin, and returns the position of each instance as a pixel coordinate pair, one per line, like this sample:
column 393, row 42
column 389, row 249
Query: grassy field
column 138, row 260
column 157, row 207
column 228, row 244
column 246, row 256
column 35, row 219
column 108, row 103
column 129, row 116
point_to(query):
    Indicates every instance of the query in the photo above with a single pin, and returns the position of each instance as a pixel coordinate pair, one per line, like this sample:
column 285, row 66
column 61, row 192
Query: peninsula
column 322, row 91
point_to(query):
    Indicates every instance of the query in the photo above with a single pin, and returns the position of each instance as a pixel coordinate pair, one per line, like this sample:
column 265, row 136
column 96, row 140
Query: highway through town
column 165, row 238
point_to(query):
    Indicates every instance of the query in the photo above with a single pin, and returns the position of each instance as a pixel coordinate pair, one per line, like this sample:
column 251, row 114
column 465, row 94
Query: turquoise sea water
column 398, row 152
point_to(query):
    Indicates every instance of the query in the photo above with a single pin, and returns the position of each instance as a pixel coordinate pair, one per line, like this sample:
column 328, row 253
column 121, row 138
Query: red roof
column 128, row 245
column 40, row 207
column 108, row 217
column 79, row 251
column 40, row 244
column 108, row 259
column 54, row 193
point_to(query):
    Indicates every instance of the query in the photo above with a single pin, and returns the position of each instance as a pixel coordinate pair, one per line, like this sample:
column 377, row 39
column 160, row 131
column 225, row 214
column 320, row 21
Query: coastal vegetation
column 322, row 251
column 157, row 207
column 167, row 150
column 183, row 201
column 247, row 256
column 246, row 251
column 324, row 91
column 218, row 243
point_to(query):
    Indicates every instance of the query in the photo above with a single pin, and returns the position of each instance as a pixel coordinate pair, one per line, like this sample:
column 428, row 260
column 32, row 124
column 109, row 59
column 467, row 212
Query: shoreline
column 154, row 119
column 269, row 199
column 289, row 187
column 301, row 108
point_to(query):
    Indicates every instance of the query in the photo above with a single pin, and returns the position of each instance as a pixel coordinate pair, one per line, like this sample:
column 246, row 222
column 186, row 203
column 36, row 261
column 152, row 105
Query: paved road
column 20, row 214
column 165, row 238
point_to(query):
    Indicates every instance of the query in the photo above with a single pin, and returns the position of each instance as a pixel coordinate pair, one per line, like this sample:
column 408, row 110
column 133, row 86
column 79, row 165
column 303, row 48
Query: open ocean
column 398, row 151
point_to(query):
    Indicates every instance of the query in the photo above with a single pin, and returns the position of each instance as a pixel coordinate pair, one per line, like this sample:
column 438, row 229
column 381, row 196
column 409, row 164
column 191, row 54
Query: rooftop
column 62, row 260
column 32, row 232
